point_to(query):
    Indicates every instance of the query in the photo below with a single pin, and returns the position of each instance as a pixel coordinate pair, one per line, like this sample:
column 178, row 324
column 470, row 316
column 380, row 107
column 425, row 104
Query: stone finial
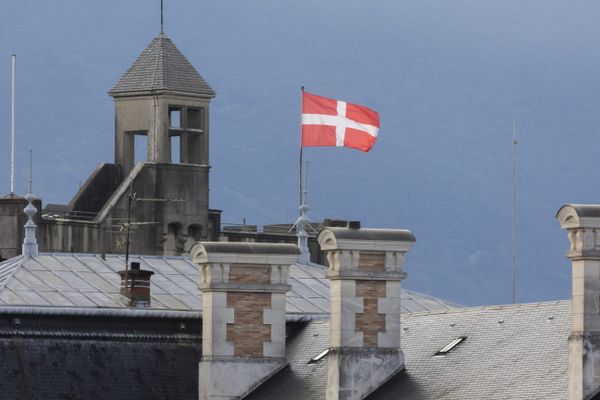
column 30, row 246
column 243, row 288
column 301, row 224
column 582, row 223
column 365, row 269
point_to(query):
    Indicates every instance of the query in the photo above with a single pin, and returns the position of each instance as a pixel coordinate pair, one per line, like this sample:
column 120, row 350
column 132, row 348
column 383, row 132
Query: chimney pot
column 136, row 290
column 337, row 223
column 354, row 224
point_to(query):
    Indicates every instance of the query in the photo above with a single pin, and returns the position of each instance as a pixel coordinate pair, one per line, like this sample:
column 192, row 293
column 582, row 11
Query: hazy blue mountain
column 448, row 79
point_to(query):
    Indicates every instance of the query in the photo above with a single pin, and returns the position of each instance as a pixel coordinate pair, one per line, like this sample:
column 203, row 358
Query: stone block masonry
column 365, row 269
column 243, row 317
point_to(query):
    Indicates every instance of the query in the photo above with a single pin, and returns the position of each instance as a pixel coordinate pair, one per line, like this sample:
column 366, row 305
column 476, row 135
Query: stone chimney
column 365, row 269
column 244, row 287
column 135, row 285
column 582, row 223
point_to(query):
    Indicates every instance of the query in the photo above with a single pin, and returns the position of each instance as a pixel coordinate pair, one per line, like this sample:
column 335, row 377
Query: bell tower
column 161, row 103
column 161, row 148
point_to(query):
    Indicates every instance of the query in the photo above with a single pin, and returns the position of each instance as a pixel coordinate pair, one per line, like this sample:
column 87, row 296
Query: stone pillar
column 365, row 270
column 159, row 145
column 243, row 288
column 582, row 223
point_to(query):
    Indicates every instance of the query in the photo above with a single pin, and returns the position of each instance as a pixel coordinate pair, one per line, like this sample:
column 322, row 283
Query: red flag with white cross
column 330, row 122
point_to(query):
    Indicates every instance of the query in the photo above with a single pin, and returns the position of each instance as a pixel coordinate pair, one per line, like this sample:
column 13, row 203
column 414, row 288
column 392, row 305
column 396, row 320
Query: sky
column 447, row 77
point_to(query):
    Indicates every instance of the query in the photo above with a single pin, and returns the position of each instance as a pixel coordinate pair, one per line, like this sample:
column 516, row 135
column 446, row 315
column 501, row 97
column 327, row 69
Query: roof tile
column 161, row 66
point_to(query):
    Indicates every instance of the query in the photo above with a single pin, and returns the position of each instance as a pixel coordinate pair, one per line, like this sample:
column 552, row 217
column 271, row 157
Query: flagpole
column 12, row 125
column 301, row 108
column 514, row 216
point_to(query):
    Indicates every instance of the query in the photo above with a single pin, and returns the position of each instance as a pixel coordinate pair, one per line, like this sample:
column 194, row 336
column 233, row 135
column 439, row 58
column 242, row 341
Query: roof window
column 450, row 346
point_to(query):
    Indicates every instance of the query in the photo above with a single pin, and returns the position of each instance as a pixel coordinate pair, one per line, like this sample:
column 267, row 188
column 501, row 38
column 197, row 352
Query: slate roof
column 50, row 369
column 511, row 352
column 87, row 282
column 161, row 66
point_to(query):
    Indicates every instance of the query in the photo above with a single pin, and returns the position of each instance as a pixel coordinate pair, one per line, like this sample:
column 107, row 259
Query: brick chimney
column 135, row 285
column 244, row 287
column 365, row 269
column 582, row 223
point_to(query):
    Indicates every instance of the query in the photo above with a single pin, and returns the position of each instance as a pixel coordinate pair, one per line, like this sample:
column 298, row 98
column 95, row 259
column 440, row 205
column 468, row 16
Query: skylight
column 450, row 346
column 319, row 356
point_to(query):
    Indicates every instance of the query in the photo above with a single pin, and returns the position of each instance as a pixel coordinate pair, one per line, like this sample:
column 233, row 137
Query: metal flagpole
column 305, row 194
column 12, row 125
column 514, row 216
column 301, row 108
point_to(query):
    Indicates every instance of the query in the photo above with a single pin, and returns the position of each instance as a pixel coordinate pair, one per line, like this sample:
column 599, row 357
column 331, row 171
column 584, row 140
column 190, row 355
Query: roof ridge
column 485, row 307
column 12, row 265
column 157, row 60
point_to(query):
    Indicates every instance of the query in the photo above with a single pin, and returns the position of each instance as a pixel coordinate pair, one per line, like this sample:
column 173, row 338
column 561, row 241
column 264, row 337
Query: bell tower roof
column 161, row 66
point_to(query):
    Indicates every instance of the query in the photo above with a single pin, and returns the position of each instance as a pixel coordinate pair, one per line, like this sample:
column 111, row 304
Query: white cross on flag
column 330, row 122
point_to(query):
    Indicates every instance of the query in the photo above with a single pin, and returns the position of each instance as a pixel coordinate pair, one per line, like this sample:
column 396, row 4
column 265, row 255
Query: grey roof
column 372, row 234
column 50, row 368
column 511, row 352
column 161, row 66
column 250, row 248
column 86, row 283
column 584, row 210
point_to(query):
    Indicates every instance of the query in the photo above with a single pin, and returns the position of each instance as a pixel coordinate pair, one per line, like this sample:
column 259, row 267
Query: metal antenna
column 130, row 198
column 12, row 125
column 161, row 16
column 514, row 216
column 30, row 181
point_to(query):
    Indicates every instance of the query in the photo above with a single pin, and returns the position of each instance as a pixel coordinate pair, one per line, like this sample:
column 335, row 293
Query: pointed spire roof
column 161, row 66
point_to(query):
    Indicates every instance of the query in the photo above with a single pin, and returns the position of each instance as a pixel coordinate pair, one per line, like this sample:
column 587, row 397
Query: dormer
column 162, row 107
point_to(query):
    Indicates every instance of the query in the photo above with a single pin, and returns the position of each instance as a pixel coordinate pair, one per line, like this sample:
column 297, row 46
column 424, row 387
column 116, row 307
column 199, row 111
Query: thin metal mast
column 12, row 125
column 30, row 181
column 304, row 195
column 161, row 16
column 301, row 108
column 514, row 216
column 130, row 201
